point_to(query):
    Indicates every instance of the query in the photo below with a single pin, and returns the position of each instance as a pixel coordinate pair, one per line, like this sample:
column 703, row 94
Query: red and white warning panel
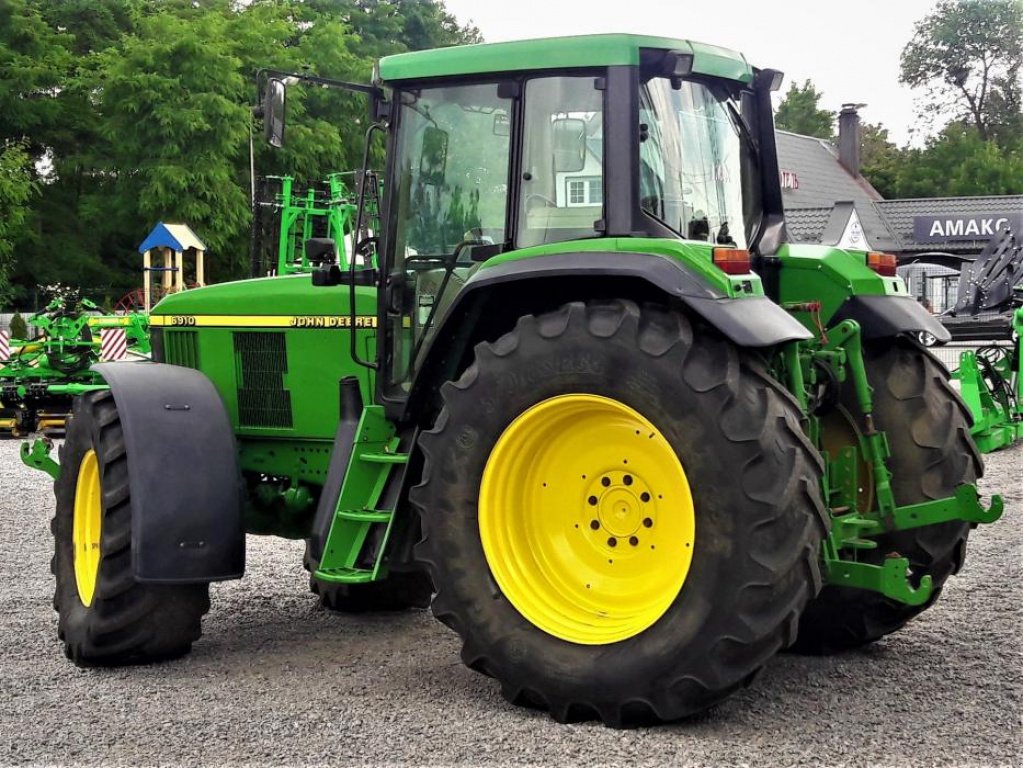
column 113, row 344
column 5, row 346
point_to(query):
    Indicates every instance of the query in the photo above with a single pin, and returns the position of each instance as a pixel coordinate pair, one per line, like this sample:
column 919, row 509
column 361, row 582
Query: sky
column 850, row 50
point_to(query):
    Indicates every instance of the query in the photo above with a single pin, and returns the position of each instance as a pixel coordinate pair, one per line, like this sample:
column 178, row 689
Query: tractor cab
column 506, row 151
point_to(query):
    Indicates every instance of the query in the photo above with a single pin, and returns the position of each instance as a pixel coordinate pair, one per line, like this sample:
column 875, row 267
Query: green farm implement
column 39, row 377
column 991, row 384
column 989, row 377
column 574, row 388
column 293, row 218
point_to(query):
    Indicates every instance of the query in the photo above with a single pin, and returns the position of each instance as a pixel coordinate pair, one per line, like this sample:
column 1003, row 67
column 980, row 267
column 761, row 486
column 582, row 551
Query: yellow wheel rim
column 586, row 519
column 88, row 524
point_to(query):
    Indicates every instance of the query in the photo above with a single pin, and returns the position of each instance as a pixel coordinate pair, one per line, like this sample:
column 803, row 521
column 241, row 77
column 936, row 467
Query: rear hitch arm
column 37, row 456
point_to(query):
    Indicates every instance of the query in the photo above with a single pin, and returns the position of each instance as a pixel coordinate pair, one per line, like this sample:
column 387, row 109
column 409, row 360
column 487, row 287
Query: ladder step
column 385, row 458
column 859, row 543
column 365, row 515
column 344, row 575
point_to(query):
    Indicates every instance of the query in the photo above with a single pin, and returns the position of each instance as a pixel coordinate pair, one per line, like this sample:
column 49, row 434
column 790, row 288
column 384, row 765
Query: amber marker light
column 732, row 261
column 882, row 263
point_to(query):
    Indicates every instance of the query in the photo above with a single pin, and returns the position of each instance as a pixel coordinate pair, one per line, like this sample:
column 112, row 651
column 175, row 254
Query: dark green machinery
column 576, row 390
column 38, row 377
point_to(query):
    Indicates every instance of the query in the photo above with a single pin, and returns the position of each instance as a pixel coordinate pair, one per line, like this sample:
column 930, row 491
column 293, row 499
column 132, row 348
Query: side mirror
column 569, row 145
column 273, row 112
column 321, row 250
column 434, row 159
column 322, row 254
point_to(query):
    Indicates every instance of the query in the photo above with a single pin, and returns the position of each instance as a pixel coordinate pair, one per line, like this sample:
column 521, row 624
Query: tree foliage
column 16, row 187
column 800, row 112
column 116, row 114
column 969, row 55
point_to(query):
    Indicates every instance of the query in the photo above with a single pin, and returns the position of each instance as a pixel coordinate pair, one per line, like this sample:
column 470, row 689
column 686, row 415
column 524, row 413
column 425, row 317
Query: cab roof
column 558, row 53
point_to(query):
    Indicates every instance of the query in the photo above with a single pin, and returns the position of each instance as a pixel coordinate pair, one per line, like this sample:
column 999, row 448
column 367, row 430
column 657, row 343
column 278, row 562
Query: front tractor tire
column 106, row 618
column 932, row 453
column 621, row 515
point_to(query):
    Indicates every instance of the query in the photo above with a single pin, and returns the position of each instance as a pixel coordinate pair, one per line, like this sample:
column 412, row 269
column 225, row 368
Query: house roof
column 824, row 181
column 178, row 237
column 806, row 225
column 899, row 215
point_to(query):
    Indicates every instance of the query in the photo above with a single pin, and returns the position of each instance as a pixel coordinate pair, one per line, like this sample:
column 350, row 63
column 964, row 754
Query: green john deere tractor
column 576, row 389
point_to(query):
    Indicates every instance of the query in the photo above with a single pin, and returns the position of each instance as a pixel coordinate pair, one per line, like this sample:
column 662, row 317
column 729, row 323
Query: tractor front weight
column 859, row 514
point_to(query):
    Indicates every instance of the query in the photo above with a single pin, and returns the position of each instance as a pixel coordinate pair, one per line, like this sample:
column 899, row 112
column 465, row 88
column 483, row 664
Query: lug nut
column 612, row 542
column 633, row 540
column 627, row 479
column 592, row 500
column 644, row 496
column 605, row 481
column 647, row 522
column 594, row 524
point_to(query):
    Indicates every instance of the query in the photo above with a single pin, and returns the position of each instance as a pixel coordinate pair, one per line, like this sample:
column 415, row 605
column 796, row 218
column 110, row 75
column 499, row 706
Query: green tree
column 16, row 187
column 174, row 102
column 880, row 159
column 958, row 162
column 968, row 54
column 800, row 112
column 126, row 112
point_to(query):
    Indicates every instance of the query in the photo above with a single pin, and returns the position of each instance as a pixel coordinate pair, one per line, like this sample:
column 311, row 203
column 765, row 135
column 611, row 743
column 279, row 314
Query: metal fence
column 949, row 354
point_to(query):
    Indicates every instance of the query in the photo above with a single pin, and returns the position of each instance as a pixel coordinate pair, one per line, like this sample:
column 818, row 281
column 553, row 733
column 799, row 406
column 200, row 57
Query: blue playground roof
column 178, row 237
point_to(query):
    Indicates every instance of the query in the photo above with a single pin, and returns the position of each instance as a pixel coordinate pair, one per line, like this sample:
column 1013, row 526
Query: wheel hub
column 586, row 519
column 622, row 505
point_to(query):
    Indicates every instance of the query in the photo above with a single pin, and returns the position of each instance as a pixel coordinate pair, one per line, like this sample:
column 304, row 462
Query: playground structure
column 39, row 377
column 168, row 244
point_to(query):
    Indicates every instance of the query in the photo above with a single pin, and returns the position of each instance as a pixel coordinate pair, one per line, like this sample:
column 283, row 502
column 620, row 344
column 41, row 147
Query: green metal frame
column 993, row 391
column 45, row 373
column 853, row 529
column 299, row 213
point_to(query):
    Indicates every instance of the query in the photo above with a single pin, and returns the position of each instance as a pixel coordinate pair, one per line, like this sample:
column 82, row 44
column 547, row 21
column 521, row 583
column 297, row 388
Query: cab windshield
column 698, row 163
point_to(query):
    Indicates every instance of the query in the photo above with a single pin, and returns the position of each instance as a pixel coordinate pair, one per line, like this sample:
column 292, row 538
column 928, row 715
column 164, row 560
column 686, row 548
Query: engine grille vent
column 261, row 360
column 181, row 348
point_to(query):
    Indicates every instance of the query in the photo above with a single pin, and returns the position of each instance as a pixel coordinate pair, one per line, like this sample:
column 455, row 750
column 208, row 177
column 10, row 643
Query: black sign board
column 969, row 226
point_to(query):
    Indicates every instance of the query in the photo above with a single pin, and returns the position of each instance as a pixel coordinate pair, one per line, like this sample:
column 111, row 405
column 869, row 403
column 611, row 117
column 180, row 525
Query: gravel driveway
column 277, row 681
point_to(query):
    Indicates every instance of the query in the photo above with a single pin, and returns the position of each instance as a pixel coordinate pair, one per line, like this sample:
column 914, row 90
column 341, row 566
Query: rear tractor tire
column 928, row 430
column 399, row 591
column 106, row 618
column 621, row 514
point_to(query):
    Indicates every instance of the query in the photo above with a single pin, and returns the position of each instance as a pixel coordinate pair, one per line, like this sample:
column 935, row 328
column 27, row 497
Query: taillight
column 732, row 261
column 882, row 263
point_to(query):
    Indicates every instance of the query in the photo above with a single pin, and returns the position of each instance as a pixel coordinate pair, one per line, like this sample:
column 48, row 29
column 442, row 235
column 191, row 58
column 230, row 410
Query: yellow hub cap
column 88, row 523
column 586, row 519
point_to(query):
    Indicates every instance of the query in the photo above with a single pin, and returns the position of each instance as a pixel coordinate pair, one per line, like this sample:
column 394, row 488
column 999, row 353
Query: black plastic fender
column 494, row 297
column 753, row 321
column 881, row 316
column 183, row 473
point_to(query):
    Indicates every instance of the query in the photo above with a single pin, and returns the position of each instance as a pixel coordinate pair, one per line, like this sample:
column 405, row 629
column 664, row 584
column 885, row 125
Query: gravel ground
column 277, row 681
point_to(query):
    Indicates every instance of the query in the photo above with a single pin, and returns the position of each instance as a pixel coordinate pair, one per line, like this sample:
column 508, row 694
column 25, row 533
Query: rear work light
column 882, row 263
column 732, row 261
